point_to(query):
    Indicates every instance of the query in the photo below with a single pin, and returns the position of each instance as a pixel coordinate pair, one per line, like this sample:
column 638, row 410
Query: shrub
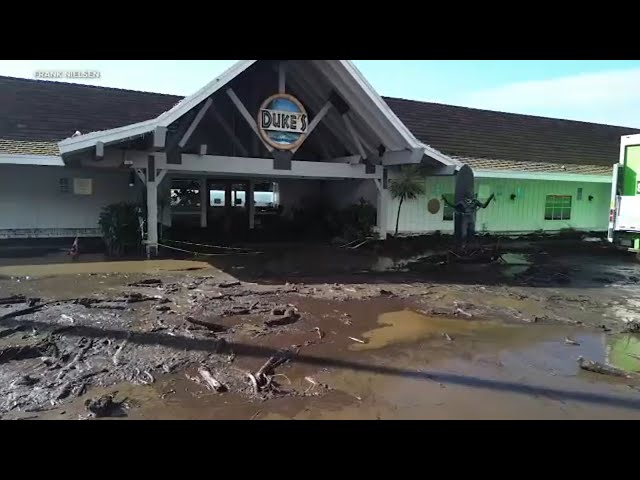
column 121, row 229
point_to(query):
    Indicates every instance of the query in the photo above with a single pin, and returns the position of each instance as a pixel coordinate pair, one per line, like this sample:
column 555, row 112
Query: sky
column 601, row 91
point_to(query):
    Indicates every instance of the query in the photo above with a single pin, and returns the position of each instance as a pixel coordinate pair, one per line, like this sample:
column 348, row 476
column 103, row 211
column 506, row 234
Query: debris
column 319, row 332
column 459, row 311
column 291, row 315
column 254, row 383
column 447, row 336
column 211, row 382
column 21, row 312
column 104, row 406
column 601, row 368
column 66, row 319
column 278, row 311
column 356, row 340
column 255, row 415
column 229, row 284
column 163, row 308
column 88, row 343
column 13, row 299
column 115, row 355
column 386, row 292
column 632, row 327
column 214, row 327
column 147, row 282
column 568, row 341
column 167, row 393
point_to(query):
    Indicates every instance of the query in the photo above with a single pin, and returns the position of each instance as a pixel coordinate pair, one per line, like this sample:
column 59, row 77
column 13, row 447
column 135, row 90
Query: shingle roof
column 535, row 167
column 40, row 110
column 35, row 114
column 474, row 133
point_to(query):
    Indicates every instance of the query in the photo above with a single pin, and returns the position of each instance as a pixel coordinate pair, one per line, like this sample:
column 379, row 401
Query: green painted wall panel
column 631, row 170
column 524, row 214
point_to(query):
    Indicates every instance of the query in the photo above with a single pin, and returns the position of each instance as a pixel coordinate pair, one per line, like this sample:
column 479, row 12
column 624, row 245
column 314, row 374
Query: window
column 447, row 211
column 557, row 207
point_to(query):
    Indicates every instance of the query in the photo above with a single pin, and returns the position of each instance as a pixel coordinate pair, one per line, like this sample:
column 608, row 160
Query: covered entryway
column 316, row 127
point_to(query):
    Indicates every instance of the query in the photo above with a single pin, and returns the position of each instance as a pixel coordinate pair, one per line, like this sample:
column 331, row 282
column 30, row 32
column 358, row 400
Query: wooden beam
column 160, row 174
column 99, row 151
column 314, row 123
column 247, row 116
column 142, row 175
column 282, row 77
column 203, row 149
column 159, row 138
column 263, row 167
column 354, row 135
column 353, row 159
column 230, row 133
column 194, row 123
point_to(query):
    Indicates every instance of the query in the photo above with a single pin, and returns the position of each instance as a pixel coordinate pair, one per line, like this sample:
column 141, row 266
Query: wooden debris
column 254, row 383
column 356, row 340
column 115, row 355
column 229, row 284
column 459, row 311
column 23, row 311
column 569, row 341
column 447, row 336
column 211, row 382
column 214, row 327
column 13, row 299
column 601, row 368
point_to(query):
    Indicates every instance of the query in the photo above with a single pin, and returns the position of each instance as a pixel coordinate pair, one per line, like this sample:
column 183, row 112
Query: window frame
column 558, row 207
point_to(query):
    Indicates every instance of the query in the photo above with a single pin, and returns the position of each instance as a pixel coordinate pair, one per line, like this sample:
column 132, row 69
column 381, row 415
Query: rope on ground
column 204, row 245
column 205, row 254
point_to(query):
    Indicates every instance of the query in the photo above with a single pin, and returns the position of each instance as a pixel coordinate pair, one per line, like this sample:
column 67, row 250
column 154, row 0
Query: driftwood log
column 210, row 381
column 602, row 368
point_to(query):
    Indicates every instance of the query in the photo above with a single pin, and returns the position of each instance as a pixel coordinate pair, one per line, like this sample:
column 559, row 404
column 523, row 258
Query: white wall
column 524, row 214
column 30, row 198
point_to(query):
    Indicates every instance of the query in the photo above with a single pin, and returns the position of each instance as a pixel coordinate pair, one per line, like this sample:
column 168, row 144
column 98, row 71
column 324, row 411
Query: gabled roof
column 37, row 114
column 362, row 98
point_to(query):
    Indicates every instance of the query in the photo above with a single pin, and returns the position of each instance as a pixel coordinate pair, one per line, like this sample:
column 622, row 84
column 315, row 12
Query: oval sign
column 283, row 121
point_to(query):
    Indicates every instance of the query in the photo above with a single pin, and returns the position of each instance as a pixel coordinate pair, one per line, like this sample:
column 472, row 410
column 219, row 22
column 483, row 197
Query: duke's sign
column 283, row 121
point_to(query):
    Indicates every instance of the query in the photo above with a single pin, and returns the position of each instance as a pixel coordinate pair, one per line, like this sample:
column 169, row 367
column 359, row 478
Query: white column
column 251, row 206
column 152, row 216
column 382, row 211
column 204, row 202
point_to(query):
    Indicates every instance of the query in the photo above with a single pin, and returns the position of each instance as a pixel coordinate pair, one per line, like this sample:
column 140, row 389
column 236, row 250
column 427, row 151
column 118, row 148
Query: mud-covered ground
column 324, row 332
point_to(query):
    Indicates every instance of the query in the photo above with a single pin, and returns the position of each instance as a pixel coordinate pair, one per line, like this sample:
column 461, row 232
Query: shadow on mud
column 218, row 346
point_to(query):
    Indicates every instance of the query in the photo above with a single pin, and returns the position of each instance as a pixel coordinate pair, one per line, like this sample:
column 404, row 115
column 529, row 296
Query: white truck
column 624, row 215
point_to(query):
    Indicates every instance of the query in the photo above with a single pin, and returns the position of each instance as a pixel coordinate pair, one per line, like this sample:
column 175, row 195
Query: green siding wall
column 524, row 214
column 631, row 170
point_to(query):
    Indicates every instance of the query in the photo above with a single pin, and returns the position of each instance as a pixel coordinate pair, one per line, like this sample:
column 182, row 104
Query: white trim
column 195, row 123
column 42, row 160
column 163, row 120
column 344, row 69
column 562, row 177
column 247, row 116
column 263, row 167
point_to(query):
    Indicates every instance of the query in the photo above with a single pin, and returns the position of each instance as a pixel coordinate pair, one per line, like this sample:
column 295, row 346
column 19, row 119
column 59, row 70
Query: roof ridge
column 463, row 107
column 84, row 85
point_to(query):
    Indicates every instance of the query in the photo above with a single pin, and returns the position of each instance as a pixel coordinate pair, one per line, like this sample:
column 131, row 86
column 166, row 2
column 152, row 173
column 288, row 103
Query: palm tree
column 408, row 186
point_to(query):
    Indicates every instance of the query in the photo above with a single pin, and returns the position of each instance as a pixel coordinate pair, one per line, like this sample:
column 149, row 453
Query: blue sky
column 604, row 91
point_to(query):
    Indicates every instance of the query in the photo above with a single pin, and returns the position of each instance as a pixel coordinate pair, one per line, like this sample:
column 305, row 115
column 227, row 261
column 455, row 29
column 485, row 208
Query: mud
column 451, row 341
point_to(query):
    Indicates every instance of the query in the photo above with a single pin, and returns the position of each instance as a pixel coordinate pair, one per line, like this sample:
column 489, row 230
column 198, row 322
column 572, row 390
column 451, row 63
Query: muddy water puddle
column 74, row 268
